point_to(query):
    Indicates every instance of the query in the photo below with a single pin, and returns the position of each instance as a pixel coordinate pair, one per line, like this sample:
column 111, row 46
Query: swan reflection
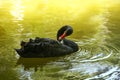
column 35, row 62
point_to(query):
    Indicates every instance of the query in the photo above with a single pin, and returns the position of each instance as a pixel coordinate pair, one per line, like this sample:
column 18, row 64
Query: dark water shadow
column 35, row 62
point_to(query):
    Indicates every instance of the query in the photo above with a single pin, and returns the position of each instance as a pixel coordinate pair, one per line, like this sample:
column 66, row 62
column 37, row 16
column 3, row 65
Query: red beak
column 62, row 36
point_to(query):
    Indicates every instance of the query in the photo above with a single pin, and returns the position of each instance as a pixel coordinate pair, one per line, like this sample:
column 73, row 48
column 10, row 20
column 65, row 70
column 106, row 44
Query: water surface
column 96, row 30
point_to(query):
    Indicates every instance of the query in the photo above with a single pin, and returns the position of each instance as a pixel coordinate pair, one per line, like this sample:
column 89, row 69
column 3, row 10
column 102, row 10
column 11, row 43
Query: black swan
column 45, row 47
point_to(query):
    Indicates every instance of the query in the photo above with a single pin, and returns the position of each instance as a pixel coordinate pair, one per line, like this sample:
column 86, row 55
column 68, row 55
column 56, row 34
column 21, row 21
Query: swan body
column 45, row 47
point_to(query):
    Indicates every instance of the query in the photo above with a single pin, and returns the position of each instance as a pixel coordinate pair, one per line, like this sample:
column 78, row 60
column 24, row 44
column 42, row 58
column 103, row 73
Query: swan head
column 63, row 32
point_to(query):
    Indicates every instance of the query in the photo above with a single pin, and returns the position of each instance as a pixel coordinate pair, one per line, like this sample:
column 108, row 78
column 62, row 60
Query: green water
column 96, row 25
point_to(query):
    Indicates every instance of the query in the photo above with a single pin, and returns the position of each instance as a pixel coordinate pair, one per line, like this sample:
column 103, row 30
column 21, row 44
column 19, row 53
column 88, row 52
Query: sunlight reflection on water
column 17, row 10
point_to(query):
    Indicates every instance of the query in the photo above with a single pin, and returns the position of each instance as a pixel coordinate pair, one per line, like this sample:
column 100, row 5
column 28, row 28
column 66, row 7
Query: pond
column 96, row 30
